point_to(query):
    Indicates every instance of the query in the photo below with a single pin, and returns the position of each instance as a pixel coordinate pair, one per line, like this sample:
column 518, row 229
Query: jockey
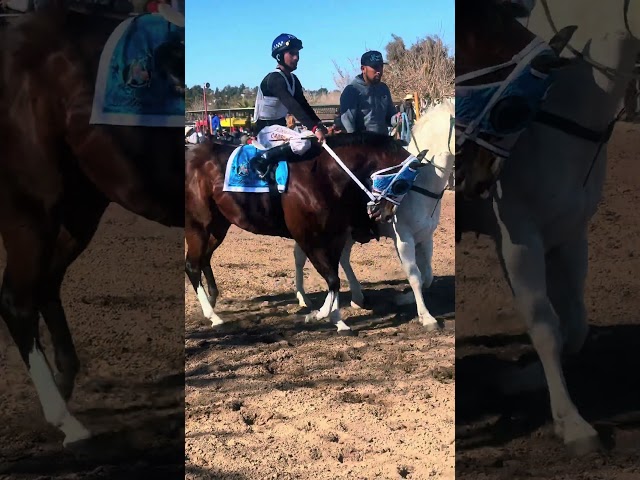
column 279, row 94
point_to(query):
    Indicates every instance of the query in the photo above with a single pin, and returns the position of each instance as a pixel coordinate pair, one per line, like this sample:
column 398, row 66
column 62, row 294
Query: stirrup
column 263, row 175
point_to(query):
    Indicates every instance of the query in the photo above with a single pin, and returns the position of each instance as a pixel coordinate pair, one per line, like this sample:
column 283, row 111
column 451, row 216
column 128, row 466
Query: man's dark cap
column 372, row 58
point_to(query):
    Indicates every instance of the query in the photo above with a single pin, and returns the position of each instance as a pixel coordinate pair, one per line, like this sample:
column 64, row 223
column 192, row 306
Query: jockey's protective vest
column 271, row 108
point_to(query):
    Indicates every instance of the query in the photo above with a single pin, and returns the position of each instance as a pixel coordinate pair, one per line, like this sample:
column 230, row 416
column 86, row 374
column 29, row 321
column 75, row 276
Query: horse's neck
column 602, row 37
column 435, row 179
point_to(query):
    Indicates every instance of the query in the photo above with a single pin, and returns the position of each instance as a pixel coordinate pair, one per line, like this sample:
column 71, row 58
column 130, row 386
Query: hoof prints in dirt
column 602, row 381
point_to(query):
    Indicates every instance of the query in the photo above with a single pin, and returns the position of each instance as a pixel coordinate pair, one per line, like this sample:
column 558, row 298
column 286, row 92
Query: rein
column 349, row 172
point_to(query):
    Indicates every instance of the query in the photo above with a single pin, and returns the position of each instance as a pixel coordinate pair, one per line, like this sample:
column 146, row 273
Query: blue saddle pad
column 242, row 177
column 131, row 87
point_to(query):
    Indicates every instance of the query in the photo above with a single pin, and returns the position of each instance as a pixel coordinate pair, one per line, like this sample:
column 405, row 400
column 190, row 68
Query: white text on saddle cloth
column 275, row 135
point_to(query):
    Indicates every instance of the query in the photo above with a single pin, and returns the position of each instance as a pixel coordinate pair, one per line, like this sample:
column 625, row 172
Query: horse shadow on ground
column 603, row 382
column 195, row 472
column 153, row 448
column 283, row 332
column 142, row 438
column 245, row 325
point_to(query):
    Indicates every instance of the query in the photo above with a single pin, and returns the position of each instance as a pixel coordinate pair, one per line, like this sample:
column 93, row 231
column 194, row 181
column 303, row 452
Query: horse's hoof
column 303, row 301
column 584, row 446
column 311, row 317
column 347, row 333
column 430, row 327
column 215, row 320
column 358, row 304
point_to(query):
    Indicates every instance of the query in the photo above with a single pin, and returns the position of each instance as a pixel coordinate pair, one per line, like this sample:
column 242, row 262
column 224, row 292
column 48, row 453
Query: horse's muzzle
column 382, row 211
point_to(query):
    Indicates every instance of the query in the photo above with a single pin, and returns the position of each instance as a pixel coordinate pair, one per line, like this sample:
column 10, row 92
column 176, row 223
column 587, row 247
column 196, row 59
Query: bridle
column 608, row 71
column 520, row 73
column 569, row 126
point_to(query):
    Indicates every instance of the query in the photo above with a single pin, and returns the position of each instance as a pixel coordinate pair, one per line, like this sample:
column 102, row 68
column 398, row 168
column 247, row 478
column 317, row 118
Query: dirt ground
column 124, row 303
column 272, row 397
column 502, row 437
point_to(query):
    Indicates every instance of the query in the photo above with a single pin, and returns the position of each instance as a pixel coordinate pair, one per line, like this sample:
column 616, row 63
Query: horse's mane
column 487, row 13
column 431, row 130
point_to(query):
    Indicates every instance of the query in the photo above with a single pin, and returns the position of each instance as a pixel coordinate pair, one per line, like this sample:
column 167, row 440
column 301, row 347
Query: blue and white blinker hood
column 394, row 186
column 502, row 109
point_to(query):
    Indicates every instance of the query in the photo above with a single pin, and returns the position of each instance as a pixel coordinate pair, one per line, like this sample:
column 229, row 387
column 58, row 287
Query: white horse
column 416, row 218
column 550, row 187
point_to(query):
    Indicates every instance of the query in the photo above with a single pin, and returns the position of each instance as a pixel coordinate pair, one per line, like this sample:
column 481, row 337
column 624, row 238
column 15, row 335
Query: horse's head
column 390, row 185
column 503, row 73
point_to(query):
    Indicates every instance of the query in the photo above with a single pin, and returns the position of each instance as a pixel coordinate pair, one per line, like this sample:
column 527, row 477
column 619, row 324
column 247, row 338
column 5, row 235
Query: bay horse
column 417, row 216
column 58, row 173
column 551, row 185
column 319, row 209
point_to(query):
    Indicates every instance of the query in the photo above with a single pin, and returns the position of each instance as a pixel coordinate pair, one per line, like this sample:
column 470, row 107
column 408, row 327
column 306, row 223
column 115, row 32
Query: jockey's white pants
column 275, row 135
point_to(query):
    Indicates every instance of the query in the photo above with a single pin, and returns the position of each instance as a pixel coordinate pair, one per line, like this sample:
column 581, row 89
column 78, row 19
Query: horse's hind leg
column 212, row 287
column 300, row 258
column 357, row 297
column 75, row 234
column 197, row 242
column 424, row 257
column 566, row 274
column 29, row 246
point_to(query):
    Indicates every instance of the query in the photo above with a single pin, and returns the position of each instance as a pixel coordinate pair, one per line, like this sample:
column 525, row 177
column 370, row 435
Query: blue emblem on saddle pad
column 131, row 86
column 529, row 88
column 242, row 177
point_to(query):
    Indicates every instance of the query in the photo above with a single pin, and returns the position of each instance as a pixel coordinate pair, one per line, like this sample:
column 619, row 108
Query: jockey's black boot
column 263, row 161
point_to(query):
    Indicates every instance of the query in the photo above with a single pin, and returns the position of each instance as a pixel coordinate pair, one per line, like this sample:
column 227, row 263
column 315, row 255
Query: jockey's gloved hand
column 320, row 135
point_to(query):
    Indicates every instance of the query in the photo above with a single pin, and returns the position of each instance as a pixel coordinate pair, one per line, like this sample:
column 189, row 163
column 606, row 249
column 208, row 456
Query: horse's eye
column 400, row 187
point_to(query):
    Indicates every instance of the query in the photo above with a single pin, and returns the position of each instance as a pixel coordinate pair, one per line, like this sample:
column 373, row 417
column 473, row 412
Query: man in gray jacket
column 366, row 103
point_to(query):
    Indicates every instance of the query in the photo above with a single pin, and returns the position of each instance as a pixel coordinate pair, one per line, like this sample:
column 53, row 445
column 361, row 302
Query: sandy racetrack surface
column 269, row 396
column 124, row 303
column 501, row 437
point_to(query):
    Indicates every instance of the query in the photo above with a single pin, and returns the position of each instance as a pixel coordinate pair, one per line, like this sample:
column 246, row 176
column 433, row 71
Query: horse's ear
column 422, row 154
column 561, row 39
column 416, row 164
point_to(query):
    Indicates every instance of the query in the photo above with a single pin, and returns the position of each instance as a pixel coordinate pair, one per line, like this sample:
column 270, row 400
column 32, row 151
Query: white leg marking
column 207, row 310
column 53, row 405
column 329, row 310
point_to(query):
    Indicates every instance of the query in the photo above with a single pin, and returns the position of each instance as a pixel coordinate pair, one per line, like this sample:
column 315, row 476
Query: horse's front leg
column 326, row 260
column 29, row 246
column 523, row 256
column 197, row 240
column 406, row 248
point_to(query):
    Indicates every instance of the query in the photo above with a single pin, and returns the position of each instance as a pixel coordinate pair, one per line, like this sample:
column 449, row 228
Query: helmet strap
column 280, row 60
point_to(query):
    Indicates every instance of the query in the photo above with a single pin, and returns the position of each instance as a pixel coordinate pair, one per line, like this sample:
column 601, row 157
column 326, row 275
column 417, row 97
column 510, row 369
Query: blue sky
column 229, row 43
